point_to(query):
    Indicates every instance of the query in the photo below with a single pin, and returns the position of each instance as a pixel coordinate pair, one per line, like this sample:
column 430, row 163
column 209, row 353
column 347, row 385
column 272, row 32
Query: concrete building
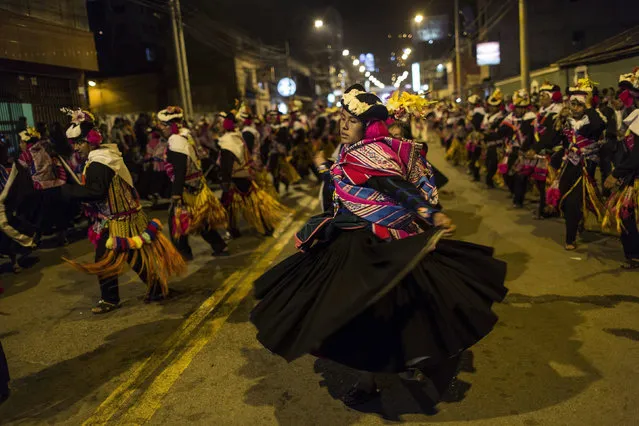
column 602, row 63
column 45, row 49
column 556, row 29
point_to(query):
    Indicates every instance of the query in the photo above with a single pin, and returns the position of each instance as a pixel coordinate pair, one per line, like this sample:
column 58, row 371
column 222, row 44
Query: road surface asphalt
column 563, row 353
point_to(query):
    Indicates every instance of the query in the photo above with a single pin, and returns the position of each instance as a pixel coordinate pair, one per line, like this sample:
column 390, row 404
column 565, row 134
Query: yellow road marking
column 116, row 402
column 151, row 400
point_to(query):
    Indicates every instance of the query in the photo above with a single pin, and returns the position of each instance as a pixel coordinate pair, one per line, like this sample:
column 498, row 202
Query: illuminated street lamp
column 355, row 62
column 368, row 73
column 92, row 83
column 362, row 68
column 319, row 23
column 345, row 52
column 419, row 18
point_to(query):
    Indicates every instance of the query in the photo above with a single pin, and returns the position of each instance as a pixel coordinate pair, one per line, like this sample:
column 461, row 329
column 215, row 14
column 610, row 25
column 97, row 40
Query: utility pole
column 523, row 46
column 180, row 54
column 457, row 52
column 287, row 48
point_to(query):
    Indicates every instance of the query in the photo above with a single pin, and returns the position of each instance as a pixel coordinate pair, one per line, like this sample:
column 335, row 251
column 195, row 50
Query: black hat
column 363, row 105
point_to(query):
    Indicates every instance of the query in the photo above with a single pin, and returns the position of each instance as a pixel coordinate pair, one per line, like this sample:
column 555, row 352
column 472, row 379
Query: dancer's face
column 351, row 128
column 545, row 100
column 577, row 109
column 520, row 111
column 83, row 148
column 395, row 131
column 165, row 129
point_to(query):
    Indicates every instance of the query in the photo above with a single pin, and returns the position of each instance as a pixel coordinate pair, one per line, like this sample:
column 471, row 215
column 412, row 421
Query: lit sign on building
column 488, row 53
column 286, row 87
column 416, row 76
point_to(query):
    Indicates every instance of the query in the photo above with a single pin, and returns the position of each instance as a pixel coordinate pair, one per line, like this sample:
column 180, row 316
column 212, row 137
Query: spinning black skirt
column 380, row 306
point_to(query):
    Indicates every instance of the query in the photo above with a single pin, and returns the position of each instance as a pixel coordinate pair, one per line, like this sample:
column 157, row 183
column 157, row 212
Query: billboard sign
column 488, row 53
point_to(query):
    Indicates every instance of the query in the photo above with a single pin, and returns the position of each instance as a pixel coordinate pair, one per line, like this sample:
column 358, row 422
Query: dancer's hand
column 610, row 182
column 443, row 221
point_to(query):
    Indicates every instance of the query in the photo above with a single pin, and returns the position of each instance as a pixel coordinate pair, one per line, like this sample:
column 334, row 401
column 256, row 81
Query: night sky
column 366, row 23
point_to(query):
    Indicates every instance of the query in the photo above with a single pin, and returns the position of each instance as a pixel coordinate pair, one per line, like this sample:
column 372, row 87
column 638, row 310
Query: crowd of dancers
column 58, row 176
column 574, row 153
column 378, row 285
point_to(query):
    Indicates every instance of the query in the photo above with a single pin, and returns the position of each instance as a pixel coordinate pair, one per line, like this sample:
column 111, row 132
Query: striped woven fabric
column 378, row 157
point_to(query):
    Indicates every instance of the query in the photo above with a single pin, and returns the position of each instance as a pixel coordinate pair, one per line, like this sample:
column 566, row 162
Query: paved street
column 563, row 353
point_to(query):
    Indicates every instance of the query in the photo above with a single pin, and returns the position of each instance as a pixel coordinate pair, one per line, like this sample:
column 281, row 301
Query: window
column 581, row 72
column 150, row 54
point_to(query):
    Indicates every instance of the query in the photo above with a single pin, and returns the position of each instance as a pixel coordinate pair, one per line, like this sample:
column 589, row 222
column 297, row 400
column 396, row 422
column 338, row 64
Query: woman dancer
column 574, row 191
column 195, row 210
column 120, row 230
column 376, row 288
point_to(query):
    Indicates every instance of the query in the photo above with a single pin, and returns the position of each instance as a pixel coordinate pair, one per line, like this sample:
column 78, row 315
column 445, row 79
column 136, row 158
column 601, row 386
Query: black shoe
column 187, row 256
column 356, row 396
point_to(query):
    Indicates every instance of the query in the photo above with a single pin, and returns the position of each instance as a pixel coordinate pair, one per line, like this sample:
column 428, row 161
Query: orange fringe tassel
column 263, row 181
column 288, row 172
column 457, row 152
column 627, row 197
column 259, row 209
column 205, row 210
column 160, row 260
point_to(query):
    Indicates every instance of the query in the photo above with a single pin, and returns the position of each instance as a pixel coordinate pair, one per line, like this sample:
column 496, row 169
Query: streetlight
column 92, row 83
column 319, row 23
column 355, row 62
column 362, row 68
column 345, row 52
column 419, row 18
column 368, row 74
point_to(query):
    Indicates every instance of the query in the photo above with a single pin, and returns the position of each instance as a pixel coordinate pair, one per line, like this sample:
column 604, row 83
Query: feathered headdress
column 244, row 112
column 552, row 89
column 400, row 104
column 474, row 100
column 582, row 92
column 295, row 107
column 521, row 98
column 29, row 135
column 630, row 82
column 363, row 105
column 496, row 98
column 82, row 122
column 171, row 113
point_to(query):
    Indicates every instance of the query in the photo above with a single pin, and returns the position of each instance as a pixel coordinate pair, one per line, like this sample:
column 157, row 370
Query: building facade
column 45, row 49
column 556, row 29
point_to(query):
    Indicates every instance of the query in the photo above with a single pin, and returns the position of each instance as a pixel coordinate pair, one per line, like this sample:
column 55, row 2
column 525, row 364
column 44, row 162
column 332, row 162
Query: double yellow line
column 133, row 403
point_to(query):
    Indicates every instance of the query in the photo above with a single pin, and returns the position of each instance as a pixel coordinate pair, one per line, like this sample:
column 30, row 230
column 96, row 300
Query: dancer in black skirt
column 375, row 287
